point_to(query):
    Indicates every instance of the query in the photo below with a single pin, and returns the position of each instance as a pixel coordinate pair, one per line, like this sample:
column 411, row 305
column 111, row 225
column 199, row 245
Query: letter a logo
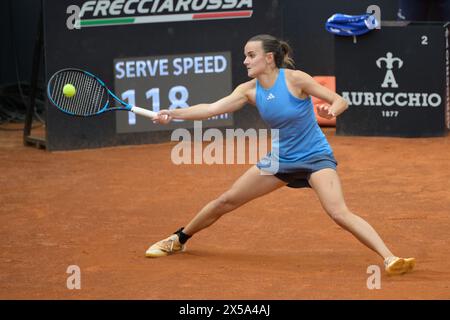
column 389, row 79
column 74, row 280
column 374, row 281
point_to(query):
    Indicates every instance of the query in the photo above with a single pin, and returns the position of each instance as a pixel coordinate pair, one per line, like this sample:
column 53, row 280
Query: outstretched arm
column 313, row 88
column 236, row 100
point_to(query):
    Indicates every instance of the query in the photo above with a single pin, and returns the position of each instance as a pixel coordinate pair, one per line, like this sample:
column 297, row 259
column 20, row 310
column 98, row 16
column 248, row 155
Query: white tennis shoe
column 165, row 247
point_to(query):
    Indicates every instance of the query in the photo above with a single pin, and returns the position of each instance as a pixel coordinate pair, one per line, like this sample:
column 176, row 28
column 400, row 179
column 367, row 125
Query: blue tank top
column 300, row 137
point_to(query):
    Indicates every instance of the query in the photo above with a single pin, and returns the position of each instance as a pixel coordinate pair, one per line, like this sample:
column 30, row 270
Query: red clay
column 101, row 209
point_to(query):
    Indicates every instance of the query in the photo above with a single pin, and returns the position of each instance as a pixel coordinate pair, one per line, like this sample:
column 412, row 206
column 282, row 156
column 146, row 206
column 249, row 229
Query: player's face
column 256, row 60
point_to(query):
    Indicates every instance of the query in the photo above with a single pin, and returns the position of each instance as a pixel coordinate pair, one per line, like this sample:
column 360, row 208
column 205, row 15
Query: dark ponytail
column 288, row 61
column 281, row 50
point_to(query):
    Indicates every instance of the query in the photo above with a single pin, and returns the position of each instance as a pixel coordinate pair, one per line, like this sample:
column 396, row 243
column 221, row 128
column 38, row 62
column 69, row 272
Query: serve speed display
column 170, row 82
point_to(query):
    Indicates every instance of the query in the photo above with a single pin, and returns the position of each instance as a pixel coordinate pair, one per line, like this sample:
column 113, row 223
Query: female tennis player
column 303, row 157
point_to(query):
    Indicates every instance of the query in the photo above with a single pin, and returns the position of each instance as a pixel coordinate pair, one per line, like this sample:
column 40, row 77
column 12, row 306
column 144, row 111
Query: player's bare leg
column 251, row 185
column 328, row 188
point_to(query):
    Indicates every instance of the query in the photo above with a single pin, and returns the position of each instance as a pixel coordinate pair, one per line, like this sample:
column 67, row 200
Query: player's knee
column 340, row 215
column 227, row 202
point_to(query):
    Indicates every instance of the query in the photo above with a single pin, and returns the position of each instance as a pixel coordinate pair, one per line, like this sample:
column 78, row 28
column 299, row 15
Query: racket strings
column 90, row 97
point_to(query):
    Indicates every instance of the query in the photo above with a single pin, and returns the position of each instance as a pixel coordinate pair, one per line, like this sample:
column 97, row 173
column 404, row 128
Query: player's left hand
column 324, row 111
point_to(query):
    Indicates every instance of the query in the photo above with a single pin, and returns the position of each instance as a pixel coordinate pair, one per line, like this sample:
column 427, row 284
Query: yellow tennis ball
column 69, row 90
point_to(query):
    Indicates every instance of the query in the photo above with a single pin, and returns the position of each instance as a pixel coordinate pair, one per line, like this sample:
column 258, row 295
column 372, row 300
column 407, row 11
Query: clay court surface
column 101, row 209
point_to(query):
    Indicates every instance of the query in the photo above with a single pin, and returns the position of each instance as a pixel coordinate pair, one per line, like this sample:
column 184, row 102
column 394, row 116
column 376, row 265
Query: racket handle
column 143, row 112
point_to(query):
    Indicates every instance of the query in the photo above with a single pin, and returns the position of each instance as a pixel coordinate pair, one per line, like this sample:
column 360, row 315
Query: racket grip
column 143, row 112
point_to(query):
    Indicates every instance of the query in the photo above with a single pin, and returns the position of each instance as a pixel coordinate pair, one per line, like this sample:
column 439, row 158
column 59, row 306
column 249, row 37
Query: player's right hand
column 163, row 117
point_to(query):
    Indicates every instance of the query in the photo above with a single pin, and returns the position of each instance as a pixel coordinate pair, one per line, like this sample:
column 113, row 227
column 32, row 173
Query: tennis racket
column 90, row 97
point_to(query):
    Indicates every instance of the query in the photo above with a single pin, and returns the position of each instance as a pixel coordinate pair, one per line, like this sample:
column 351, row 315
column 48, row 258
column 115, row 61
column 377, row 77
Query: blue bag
column 347, row 25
